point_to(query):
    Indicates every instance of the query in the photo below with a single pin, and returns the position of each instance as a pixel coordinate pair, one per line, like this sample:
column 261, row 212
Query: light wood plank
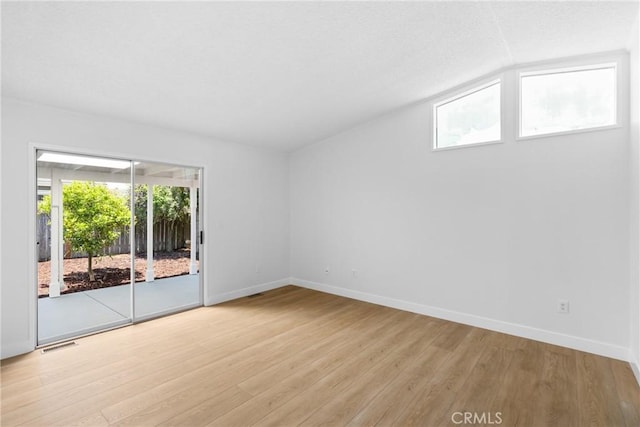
column 629, row 395
column 520, row 388
column 598, row 401
column 432, row 402
column 295, row 356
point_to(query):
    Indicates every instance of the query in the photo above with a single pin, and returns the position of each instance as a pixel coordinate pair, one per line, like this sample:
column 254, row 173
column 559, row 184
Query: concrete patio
column 81, row 313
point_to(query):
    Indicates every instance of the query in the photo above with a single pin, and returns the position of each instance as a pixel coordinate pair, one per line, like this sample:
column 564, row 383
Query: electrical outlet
column 354, row 273
column 563, row 306
column 326, row 270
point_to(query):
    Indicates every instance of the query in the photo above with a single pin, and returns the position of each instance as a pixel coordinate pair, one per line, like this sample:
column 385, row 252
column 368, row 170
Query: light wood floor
column 295, row 356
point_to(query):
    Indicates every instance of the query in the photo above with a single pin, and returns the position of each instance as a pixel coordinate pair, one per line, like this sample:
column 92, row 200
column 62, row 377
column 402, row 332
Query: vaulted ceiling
column 282, row 74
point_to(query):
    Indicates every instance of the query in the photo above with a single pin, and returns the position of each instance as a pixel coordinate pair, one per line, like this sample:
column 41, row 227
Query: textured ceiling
column 280, row 75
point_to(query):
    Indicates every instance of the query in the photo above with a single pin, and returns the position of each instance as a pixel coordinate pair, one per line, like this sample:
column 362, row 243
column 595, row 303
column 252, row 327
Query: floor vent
column 255, row 295
column 59, row 346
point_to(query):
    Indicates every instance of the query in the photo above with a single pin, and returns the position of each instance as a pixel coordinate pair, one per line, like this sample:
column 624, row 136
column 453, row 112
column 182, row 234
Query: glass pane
column 567, row 101
column 472, row 119
column 166, row 218
column 82, row 237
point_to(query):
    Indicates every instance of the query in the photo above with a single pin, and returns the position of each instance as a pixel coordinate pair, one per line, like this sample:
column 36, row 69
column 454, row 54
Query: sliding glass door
column 84, row 263
column 166, row 239
column 117, row 242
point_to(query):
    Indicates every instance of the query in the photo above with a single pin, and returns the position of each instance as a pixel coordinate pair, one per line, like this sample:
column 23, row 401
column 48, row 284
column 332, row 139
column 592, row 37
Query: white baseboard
column 16, row 349
column 244, row 292
column 550, row 337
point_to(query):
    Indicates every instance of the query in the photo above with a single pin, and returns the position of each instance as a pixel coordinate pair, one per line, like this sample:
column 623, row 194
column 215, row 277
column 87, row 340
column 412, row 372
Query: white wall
column 634, row 197
column 491, row 235
column 245, row 189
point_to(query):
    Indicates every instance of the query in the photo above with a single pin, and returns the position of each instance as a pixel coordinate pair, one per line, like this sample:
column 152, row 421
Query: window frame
column 459, row 93
column 549, row 69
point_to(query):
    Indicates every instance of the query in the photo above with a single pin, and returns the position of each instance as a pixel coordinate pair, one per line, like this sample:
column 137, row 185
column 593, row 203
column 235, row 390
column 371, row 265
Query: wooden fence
column 166, row 238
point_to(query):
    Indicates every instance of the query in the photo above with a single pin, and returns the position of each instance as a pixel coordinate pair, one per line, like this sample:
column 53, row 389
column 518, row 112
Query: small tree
column 93, row 216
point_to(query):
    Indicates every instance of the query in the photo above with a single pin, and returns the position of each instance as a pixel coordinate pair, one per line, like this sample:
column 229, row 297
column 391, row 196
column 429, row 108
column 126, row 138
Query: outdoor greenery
column 171, row 207
column 170, row 204
column 93, row 216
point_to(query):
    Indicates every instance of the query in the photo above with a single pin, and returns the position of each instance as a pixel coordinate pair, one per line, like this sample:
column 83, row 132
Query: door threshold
column 65, row 339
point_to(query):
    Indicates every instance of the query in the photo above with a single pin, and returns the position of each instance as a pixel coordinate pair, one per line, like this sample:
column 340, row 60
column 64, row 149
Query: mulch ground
column 112, row 271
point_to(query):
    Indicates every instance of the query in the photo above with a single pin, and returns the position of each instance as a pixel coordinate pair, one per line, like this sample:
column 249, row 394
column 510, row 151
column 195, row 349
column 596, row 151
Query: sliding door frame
column 32, row 232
